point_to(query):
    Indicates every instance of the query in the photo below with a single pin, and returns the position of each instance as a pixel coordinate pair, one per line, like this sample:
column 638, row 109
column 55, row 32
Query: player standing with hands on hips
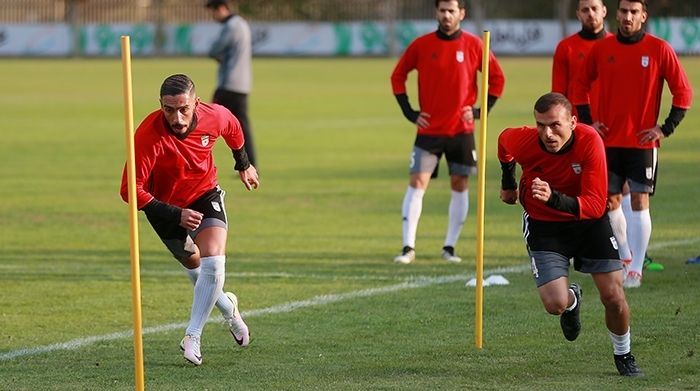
column 630, row 69
column 176, row 187
column 447, row 62
column 569, row 63
column 563, row 192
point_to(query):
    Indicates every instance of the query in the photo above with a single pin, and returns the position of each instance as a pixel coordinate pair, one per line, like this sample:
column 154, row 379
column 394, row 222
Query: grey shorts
column 552, row 245
column 180, row 241
column 459, row 152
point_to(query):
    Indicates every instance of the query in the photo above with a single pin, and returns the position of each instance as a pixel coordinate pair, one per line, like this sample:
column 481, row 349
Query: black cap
column 216, row 3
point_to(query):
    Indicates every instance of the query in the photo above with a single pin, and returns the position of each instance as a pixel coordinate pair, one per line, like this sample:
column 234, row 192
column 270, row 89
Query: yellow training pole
column 133, row 213
column 481, row 165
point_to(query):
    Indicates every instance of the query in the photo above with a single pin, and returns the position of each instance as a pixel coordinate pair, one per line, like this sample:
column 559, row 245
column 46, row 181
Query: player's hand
column 509, row 196
column 422, row 120
column 468, row 114
column 541, row 190
column 190, row 219
column 601, row 128
column 650, row 135
column 250, row 178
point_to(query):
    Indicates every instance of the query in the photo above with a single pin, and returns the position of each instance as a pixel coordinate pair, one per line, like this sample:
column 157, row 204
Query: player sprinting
column 176, row 187
column 563, row 192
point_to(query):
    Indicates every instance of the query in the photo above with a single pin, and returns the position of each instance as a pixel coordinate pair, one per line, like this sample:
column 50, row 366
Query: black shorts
column 637, row 166
column 551, row 246
column 459, row 151
column 180, row 240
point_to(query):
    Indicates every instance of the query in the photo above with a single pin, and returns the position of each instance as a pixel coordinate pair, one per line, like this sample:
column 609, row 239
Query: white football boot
column 190, row 346
column 236, row 325
column 407, row 255
column 632, row 280
column 448, row 254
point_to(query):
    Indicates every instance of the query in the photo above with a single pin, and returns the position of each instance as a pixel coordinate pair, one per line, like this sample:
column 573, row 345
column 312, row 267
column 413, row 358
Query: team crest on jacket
column 205, row 140
column 645, row 61
column 460, row 56
column 576, row 167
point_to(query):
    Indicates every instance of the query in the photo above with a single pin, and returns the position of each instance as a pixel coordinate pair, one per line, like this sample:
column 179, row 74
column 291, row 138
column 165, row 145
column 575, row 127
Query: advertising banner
column 508, row 37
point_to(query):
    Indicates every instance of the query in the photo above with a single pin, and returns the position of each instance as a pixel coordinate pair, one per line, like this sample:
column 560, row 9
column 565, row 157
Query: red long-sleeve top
column 570, row 60
column 631, row 78
column 178, row 171
column 578, row 171
column 447, row 78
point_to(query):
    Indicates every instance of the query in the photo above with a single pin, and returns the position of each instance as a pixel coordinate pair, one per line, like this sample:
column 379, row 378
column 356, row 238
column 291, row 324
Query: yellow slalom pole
column 481, row 165
column 133, row 213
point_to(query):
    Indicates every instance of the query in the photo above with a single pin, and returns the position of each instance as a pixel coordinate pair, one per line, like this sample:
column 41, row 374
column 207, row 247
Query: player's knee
column 614, row 300
column 614, row 201
column 639, row 201
column 190, row 262
column 459, row 183
column 554, row 305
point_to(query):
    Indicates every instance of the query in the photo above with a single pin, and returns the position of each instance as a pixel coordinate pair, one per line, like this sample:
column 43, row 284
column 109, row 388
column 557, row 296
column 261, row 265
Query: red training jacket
column 570, row 61
column 447, row 79
column 631, row 79
column 579, row 172
column 177, row 171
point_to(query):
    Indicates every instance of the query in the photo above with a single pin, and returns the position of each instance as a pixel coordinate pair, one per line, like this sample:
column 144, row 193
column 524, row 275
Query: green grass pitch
column 310, row 253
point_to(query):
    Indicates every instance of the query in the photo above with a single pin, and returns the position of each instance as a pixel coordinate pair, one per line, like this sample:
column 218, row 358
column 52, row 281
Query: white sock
column 457, row 214
column 575, row 301
column 193, row 274
column 640, row 233
column 626, row 205
column 619, row 227
column 410, row 211
column 207, row 290
column 222, row 303
column 621, row 343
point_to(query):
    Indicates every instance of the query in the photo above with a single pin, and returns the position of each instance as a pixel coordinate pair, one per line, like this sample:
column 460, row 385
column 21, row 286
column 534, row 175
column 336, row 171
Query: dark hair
column 216, row 3
column 551, row 99
column 579, row 3
column 177, row 85
column 643, row 2
column 460, row 3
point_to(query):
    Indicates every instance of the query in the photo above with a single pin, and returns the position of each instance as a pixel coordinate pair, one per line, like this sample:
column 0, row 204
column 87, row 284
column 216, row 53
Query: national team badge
column 216, row 206
column 649, row 173
column 205, row 141
column 460, row 56
column 576, row 167
column 645, row 61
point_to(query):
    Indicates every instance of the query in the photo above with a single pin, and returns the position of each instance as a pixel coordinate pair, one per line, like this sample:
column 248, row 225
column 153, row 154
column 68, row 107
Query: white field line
column 672, row 243
column 283, row 275
column 414, row 282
